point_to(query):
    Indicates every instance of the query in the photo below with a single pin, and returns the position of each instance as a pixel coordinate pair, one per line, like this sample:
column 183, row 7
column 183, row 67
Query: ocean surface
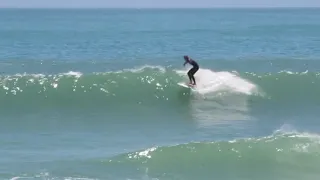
column 92, row 94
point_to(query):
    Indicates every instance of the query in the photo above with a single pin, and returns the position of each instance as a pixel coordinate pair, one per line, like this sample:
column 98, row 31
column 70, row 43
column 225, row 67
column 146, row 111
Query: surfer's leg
column 193, row 71
column 190, row 75
column 194, row 80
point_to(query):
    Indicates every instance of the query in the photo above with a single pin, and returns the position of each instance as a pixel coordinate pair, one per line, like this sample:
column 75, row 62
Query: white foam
column 209, row 81
column 141, row 69
column 41, row 176
column 145, row 153
column 73, row 178
column 72, row 73
column 210, row 85
column 290, row 131
column 15, row 178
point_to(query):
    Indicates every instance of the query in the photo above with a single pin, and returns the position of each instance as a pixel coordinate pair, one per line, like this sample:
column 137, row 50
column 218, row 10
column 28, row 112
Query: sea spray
column 209, row 81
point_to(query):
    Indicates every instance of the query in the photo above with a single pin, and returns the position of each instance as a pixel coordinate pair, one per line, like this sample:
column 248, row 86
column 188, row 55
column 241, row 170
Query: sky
column 155, row 3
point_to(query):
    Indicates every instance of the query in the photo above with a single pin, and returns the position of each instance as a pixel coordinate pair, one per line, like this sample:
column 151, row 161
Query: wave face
column 279, row 156
column 146, row 85
column 152, row 85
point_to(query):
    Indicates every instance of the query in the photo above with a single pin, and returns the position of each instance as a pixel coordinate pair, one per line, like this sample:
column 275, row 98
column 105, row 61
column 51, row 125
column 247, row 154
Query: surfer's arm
column 185, row 63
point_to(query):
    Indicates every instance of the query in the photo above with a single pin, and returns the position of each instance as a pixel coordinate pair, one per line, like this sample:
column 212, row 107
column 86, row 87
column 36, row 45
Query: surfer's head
column 186, row 58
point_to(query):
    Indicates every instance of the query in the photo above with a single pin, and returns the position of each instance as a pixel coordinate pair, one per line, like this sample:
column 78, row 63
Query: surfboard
column 186, row 85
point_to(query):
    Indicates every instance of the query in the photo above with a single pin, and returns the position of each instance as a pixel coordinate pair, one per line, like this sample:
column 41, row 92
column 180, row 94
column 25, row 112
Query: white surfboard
column 186, row 85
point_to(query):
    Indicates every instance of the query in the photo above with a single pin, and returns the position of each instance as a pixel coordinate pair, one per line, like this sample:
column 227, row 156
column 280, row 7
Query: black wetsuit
column 193, row 70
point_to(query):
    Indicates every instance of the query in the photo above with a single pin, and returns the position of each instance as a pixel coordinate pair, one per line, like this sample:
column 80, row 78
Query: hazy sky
column 157, row 3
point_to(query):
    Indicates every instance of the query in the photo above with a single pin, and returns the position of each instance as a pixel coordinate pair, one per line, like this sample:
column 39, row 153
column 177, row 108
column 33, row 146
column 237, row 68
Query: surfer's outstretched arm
column 186, row 60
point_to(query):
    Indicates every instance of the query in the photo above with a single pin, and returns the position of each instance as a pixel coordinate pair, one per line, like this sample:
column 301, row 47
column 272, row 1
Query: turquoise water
column 93, row 94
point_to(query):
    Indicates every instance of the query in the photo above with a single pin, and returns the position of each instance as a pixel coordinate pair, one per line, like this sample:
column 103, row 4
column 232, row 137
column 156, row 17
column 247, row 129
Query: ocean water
column 92, row 94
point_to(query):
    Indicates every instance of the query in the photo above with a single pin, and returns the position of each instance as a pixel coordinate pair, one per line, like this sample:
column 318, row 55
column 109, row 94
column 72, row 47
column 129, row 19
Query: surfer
column 193, row 70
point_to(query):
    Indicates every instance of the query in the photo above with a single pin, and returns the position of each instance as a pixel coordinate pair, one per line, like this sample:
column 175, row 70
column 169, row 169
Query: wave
column 153, row 85
column 287, row 86
column 283, row 155
column 146, row 85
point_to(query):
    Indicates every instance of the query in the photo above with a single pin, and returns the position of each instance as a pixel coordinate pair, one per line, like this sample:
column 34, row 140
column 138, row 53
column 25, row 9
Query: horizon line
column 215, row 7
